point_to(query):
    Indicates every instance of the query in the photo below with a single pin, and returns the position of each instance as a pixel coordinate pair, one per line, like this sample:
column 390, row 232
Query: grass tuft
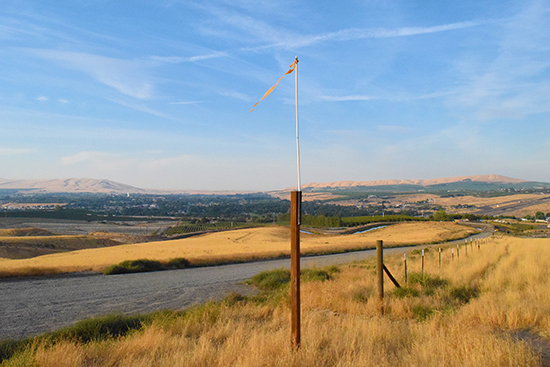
column 145, row 265
column 406, row 292
column 463, row 294
column 427, row 280
column 279, row 278
column 270, row 280
column 88, row 330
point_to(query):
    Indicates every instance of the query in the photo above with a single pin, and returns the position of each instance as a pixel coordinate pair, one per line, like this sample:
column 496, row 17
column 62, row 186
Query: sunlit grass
column 238, row 245
column 461, row 313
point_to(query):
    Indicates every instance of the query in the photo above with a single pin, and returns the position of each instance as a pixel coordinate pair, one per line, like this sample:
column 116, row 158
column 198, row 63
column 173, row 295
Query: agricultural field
column 518, row 205
column 236, row 245
column 489, row 308
column 22, row 243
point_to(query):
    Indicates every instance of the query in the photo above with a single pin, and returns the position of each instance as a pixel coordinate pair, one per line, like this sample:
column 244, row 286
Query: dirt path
column 30, row 306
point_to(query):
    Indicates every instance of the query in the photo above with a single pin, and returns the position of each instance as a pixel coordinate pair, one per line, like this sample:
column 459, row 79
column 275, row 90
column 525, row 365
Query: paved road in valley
column 34, row 305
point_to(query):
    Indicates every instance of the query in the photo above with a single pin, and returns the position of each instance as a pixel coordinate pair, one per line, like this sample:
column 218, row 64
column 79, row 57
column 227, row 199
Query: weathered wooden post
column 452, row 253
column 440, row 257
column 405, row 265
column 466, row 249
column 295, row 222
column 422, row 263
column 380, row 272
column 457, row 252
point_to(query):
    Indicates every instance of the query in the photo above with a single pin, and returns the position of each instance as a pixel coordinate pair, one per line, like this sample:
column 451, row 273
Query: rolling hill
column 88, row 185
column 71, row 185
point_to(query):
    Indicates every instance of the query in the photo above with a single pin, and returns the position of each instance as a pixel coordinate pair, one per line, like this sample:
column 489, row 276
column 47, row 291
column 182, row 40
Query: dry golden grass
column 238, row 245
column 342, row 325
column 22, row 246
column 501, row 201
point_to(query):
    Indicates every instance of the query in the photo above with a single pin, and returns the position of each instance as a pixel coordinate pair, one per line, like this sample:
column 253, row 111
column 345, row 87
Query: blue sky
column 157, row 93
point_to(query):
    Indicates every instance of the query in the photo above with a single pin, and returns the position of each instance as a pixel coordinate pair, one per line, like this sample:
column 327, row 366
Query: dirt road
column 34, row 305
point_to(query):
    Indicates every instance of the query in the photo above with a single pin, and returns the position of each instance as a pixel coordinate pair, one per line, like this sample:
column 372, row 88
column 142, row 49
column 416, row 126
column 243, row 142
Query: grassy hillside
column 490, row 308
column 238, row 245
column 24, row 247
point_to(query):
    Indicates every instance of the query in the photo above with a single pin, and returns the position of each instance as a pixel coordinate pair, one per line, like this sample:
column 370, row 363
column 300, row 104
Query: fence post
column 380, row 272
column 440, row 257
column 422, row 262
column 453, row 253
column 457, row 252
column 405, row 264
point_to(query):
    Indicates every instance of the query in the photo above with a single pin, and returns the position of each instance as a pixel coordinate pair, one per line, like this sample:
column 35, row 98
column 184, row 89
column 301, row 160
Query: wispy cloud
column 511, row 82
column 180, row 59
column 350, row 34
column 42, row 98
column 187, row 102
column 126, row 76
column 237, row 95
column 63, row 101
column 138, row 106
column 346, row 98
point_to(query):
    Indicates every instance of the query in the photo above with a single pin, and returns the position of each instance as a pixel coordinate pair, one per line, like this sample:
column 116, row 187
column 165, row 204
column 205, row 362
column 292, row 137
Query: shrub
column 99, row 328
column 179, row 263
column 426, row 280
column 270, row 280
column 463, row 294
column 421, row 312
column 314, row 275
column 405, row 292
column 144, row 265
column 278, row 278
column 135, row 266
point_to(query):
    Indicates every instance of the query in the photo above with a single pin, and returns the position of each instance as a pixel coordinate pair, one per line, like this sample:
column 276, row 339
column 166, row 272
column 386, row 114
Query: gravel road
column 34, row 305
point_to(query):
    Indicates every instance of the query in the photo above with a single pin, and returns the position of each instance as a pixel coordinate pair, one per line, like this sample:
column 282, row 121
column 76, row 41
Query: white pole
column 297, row 131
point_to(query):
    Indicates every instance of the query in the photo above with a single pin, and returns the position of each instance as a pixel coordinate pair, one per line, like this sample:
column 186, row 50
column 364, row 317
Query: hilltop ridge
column 427, row 182
column 103, row 186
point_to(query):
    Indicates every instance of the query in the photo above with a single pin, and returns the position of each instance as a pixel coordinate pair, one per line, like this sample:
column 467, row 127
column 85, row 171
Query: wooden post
column 380, row 272
column 405, row 264
column 440, row 257
column 457, row 252
column 295, row 221
column 466, row 249
column 453, row 253
column 422, row 263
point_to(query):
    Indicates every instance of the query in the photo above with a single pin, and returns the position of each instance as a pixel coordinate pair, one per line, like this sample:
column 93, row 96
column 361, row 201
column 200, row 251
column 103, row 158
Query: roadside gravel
column 30, row 306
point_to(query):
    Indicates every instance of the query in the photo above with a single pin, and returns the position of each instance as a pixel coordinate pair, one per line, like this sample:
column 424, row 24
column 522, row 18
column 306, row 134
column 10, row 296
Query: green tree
column 441, row 215
column 540, row 215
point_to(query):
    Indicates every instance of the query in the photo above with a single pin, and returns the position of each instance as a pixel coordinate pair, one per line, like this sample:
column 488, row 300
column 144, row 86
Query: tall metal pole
column 297, row 130
column 295, row 222
column 295, row 219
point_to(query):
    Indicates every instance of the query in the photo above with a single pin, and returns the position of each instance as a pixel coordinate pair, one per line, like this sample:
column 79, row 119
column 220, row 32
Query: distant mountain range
column 71, row 185
column 479, row 183
column 88, row 185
